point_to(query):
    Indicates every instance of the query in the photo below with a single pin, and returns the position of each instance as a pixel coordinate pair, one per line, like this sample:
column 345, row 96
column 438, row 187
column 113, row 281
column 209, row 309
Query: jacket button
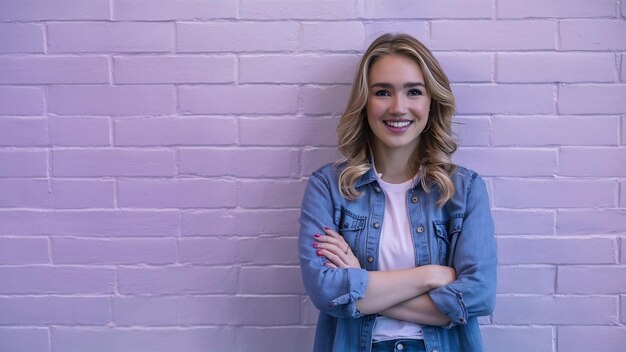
column 370, row 259
column 377, row 189
column 420, row 229
column 414, row 199
column 376, row 225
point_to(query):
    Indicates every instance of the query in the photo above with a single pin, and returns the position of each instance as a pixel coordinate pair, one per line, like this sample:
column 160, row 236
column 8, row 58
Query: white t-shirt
column 396, row 251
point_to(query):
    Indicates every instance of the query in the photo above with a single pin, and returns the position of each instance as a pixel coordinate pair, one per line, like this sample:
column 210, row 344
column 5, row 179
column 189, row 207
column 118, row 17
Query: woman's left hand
column 333, row 246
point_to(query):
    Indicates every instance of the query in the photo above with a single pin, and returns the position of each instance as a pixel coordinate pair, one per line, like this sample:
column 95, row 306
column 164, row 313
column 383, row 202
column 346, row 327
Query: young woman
column 396, row 242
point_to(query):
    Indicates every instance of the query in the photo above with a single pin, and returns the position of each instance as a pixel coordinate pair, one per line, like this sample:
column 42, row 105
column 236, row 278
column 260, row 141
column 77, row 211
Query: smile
column 397, row 124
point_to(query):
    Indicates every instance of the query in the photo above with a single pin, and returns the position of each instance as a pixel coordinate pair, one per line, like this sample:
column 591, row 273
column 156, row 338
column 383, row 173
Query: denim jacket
column 459, row 234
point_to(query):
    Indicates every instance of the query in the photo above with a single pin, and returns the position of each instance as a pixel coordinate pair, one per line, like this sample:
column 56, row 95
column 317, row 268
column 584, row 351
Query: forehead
column 395, row 68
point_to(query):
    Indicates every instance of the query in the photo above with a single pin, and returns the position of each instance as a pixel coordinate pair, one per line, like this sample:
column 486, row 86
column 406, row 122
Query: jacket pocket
column 446, row 233
column 350, row 225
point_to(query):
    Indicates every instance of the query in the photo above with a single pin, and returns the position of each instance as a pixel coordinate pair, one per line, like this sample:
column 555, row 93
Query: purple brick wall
column 153, row 156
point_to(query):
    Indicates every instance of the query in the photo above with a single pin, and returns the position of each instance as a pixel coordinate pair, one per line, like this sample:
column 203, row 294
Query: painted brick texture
column 153, row 156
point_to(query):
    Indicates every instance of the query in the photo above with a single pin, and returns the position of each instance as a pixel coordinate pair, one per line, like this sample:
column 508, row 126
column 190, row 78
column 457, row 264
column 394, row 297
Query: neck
column 394, row 163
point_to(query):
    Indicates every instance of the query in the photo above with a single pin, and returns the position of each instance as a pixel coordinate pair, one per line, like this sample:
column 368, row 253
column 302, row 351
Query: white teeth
column 397, row 124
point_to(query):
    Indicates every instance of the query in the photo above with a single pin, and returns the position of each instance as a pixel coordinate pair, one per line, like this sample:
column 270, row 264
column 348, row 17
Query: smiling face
column 398, row 104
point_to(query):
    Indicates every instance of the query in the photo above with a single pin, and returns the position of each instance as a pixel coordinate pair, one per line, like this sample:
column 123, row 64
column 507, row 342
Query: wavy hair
column 432, row 156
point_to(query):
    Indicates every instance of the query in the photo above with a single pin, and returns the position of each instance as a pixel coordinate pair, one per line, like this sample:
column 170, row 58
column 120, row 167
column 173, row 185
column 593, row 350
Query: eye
column 414, row 92
column 382, row 93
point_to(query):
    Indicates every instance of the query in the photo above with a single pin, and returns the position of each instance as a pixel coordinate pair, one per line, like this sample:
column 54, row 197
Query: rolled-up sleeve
column 473, row 293
column 333, row 291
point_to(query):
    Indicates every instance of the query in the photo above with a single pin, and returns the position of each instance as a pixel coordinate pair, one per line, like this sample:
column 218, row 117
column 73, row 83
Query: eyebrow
column 406, row 85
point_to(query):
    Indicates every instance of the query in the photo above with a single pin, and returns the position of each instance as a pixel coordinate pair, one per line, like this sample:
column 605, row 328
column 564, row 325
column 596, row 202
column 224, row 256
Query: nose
column 398, row 105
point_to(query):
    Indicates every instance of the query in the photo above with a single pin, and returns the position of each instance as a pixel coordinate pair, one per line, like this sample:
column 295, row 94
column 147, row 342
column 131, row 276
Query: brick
column 23, row 132
column 110, row 37
column 591, row 280
column 517, row 250
column 623, row 250
column 276, row 339
column 503, row 99
column 314, row 158
column 555, row 310
column 24, row 250
column 288, row 131
column 596, row 34
column 53, row 69
column 472, row 131
column 220, row 251
column 271, row 194
column 174, row 69
column 623, row 305
column 508, row 162
column 434, row 9
column 554, row 130
column 21, row 38
column 523, row 222
column 607, row 99
column 79, row 131
column 308, row 311
column 622, row 196
column 555, row 67
column 23, row 222
column 113, row 251
column 175, row 131
column 179, row 280
column 113, row 162
column 163, row 10
column 217, row 310
column 105, row 100
column 306, row 68
column 178, row 193
column 271, row 280
column 324, row 99
column 416, row 28
column 260, row 99
column 54, row 310
column 257, row 222
column 527, row 280
column 554, row 193
column 493, row 35
column 623, row 70
column 466, row 67
column 590, row 338
column 21, row 101
column 332, row 36
column 572, row 159
column 248, row 162
column 24, row 193
column 236, row 36
column 555, row 9
column 301, row 10
column 40, row 10
column 106, row 339
column 56, row 280
column 78, row 194
column 113, row 223
column 19, row 339
column 517, row 338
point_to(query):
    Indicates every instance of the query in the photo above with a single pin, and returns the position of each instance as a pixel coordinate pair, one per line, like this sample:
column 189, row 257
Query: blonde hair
column 436, row 144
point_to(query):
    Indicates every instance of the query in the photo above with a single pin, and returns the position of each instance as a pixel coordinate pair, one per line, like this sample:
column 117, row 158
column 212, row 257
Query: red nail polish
column 318, row 252
column 317, row 236
column 326, row 228
column 316, row 245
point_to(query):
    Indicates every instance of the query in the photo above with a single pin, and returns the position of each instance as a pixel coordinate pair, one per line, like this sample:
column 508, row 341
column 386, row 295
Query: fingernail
column 325, row 263
column 319, row 253
column 326, row 228
column 317, row 236
column 315, row 245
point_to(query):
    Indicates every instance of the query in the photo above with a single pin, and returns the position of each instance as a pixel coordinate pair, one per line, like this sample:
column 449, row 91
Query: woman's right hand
column 440, row 275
